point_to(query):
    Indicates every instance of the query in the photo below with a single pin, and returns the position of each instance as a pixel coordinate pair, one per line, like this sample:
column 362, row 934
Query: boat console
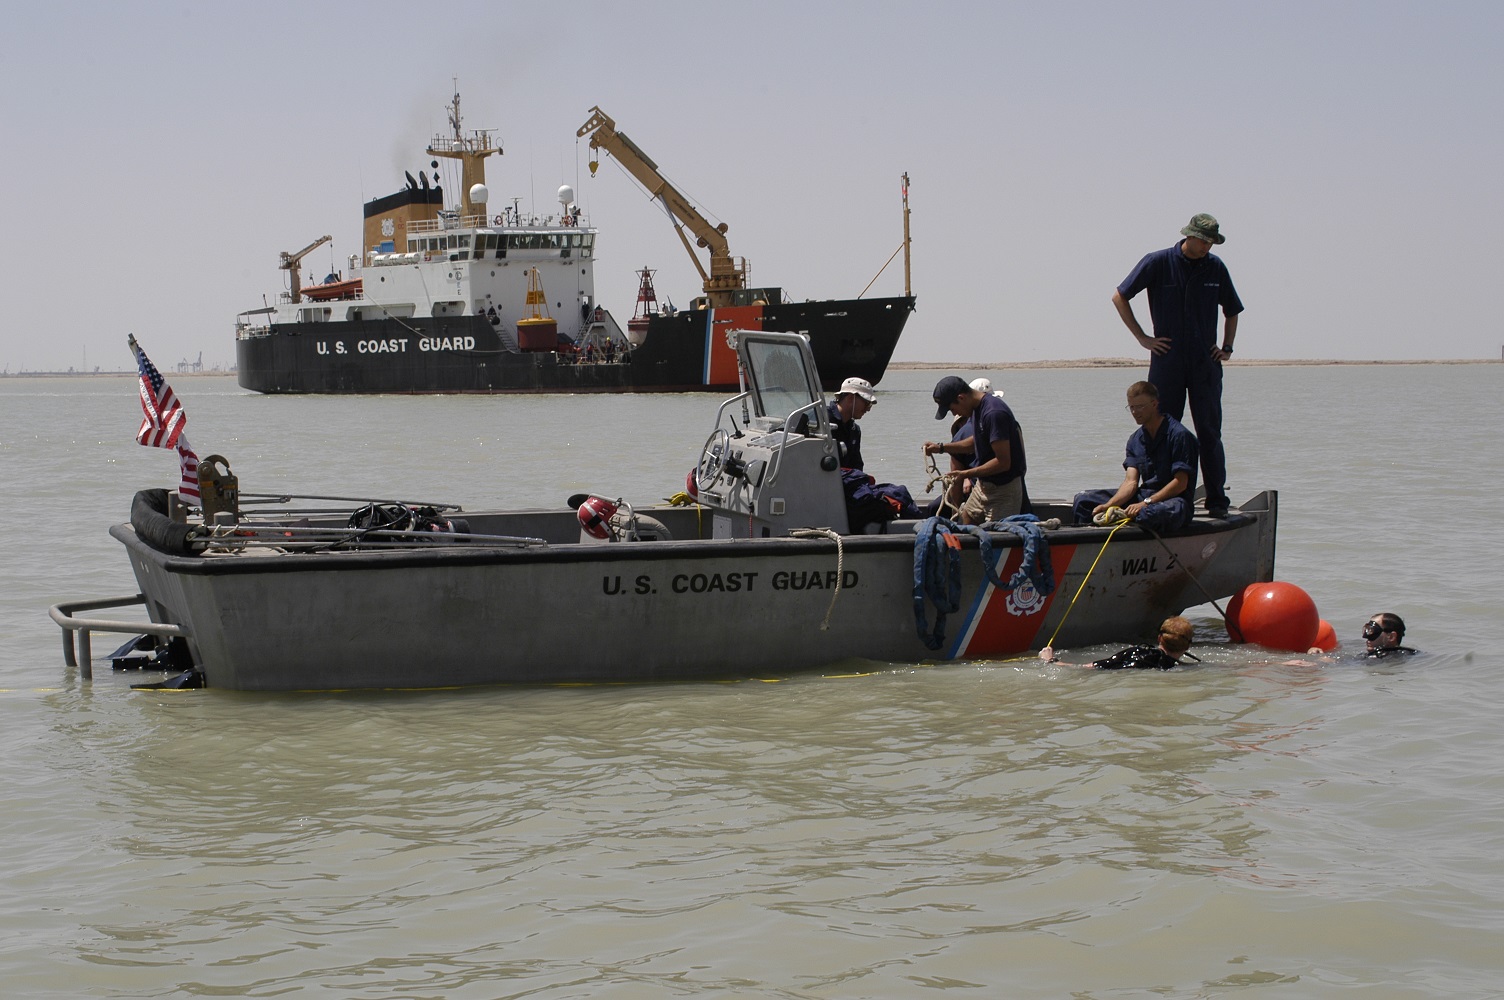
column 778, row 468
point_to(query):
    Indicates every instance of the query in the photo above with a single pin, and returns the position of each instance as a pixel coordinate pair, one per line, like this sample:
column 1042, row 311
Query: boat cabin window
column 778, row 378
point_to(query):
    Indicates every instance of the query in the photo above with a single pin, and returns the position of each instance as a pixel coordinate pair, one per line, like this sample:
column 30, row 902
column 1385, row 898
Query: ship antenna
column 454, row 113
column 908, row 290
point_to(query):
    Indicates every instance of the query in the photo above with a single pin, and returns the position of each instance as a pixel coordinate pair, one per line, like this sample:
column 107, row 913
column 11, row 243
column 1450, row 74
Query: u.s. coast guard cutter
column 474, row 297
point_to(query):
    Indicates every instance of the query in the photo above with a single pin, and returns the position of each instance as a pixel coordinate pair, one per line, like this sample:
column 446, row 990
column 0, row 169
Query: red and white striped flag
column 163, row 420
column 188, row 461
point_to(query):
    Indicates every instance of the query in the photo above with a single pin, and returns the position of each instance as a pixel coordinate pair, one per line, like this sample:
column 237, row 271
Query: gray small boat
column 760, row 575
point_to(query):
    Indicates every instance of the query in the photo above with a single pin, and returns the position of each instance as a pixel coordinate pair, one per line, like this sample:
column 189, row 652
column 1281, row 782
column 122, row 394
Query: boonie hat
column 947, row 391
column 1203, row 227
column 858, row 387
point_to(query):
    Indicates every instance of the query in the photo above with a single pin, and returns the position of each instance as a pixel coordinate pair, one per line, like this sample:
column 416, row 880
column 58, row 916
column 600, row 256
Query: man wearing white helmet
column 852, row 402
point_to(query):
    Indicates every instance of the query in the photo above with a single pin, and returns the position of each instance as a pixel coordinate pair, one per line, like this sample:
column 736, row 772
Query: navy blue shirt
column 993, row 420
column 848, row 438
column 1183, row 297
column 1158, row 458
column 961, row 433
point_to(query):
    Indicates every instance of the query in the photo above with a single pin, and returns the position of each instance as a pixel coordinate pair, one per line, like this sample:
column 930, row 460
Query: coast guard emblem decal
column 999, row 621
column 1024, row 600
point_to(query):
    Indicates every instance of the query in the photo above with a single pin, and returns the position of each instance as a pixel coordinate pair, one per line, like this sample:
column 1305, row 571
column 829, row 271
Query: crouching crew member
column 1160, row 464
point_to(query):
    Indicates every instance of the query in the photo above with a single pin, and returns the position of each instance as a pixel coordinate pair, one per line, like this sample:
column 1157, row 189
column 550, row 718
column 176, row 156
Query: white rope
column 840, row 564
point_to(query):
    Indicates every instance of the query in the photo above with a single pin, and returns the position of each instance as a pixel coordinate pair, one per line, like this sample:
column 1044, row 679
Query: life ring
column 498, row 221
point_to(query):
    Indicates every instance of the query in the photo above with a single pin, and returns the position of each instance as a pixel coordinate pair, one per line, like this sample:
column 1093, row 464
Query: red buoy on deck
column 1277, row 614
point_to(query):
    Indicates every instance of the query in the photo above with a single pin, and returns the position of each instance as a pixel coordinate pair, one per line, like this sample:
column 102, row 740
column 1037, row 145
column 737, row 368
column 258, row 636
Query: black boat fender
column 155, row 528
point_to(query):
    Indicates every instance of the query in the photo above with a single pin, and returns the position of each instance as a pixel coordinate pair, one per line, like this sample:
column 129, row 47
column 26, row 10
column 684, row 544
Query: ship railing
column 479, row 141
column 81, row 655
column 507, row 221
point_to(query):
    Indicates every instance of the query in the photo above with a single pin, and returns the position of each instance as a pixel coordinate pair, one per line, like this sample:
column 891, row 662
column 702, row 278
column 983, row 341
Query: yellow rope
column 1094, row 562
column 682, row 499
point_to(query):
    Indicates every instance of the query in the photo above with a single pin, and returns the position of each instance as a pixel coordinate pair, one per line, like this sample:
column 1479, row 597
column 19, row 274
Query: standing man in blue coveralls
column 1186, row 284
column 1160, row 469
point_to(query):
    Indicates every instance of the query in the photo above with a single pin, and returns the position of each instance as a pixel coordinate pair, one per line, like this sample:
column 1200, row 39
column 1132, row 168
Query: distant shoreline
column 115, row 374
column 932, row 366
column 1142, row 362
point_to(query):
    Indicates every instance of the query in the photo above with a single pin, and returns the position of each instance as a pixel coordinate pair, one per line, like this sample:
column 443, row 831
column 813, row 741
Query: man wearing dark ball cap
column 996, row 448
column 1186, row 284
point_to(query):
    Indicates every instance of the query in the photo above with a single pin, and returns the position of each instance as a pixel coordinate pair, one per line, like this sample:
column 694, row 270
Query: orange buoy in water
column 1326, row 637
column 1278, row 615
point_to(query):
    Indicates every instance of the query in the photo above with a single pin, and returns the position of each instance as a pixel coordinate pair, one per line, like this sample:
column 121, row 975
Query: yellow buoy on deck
column 537, row 331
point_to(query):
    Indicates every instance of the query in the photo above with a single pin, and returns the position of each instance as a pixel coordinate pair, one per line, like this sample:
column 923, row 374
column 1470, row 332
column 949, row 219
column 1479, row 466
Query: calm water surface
column 986, row 829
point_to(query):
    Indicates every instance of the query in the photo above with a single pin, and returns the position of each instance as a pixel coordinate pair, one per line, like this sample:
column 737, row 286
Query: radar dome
column 479, row 194
column 566, row 195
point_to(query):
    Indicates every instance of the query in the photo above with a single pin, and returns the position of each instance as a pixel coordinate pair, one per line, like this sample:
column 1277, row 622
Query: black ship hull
column 685, row 352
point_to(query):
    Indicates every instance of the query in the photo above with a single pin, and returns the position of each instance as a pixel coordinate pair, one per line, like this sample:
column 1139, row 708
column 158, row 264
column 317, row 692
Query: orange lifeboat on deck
column 350, row 288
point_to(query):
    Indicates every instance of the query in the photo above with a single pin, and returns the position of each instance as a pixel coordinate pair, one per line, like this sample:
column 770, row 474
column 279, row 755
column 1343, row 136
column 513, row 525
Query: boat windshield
column 780, row 374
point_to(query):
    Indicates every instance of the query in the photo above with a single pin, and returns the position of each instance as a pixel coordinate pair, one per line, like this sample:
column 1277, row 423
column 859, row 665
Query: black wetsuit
column 1137, row 658
column 1383, row 651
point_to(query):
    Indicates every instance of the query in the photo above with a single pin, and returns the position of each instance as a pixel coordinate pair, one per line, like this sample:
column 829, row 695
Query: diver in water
column 1174, row 639
column 1383, row 634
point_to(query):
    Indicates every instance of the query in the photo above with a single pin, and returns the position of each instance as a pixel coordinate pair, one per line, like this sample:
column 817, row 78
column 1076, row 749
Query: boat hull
column 566, row 612
column 684, row 352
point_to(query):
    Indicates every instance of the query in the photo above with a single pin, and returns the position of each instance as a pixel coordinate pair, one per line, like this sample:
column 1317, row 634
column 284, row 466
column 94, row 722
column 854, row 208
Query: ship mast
column 908, row 289
column 470, row 150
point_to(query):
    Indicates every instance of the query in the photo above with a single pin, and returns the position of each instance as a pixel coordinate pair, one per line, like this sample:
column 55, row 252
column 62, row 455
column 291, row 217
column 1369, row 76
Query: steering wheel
column 713, row 458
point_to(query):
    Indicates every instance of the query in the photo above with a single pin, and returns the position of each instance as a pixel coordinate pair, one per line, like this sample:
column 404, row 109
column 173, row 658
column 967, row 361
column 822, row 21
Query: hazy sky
column 159, row 156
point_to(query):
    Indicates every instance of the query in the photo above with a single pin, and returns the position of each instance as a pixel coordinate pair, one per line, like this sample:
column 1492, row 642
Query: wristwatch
column 1226, row 349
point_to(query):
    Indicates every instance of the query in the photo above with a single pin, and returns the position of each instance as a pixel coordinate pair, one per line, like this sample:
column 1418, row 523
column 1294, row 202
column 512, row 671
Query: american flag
column 163, row 421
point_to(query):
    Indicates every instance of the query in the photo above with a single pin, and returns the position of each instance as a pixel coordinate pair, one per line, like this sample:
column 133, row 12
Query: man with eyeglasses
column 1160, row 469
column 1382, row 635
column 1186, row 284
